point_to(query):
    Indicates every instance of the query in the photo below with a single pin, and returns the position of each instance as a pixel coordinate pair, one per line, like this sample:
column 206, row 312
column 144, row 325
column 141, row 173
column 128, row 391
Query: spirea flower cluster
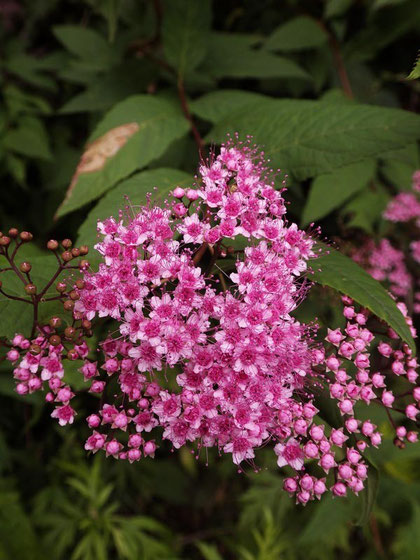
column 203, row 357
column 392, row 261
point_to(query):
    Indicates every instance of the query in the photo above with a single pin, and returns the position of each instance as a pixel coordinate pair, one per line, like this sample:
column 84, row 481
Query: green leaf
column 398, row 173
column 86, row 44
column 219, row 104
column 29, row 139
column 297, row 34
column 208, row 551
column 337, row 271
column 185, row 29
column 308, row 138
column 365, row 210
column 336, row 8
column 116, row 85
column 135, row 188
column 233, row 55
column 415, row 72
column 158, row 122
column 369, row 493
column 407, row 539
column 330, row 190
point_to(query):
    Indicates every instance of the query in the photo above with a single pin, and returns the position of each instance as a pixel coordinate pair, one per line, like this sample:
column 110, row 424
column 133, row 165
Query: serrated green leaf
column 337, row 271
column 234, row 56
column 297, row 34
column 185, row 29
column 159, row 122
column 86, row 44
column 308, row 138
column 136, row 188
column 330, row 190
column 29, row 139
column 415, row 72
column 219, row 104
column 365, row 210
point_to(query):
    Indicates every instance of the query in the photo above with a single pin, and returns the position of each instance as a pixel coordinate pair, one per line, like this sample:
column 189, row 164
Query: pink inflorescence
column 388, row 261
column 198, row 355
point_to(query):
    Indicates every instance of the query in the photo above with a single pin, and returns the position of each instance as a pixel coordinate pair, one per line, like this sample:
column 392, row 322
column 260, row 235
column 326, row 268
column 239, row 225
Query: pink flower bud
column 192, row 194
column 362, row 361
column 352, row 425
column 378, row 380
column 411, row 411
column 306, row 482
column 385, row 349
column 178, row 192
column 337, row 391
column 324, row 446
column 149, row 448
column 349, row 312
column 412, row 437
column 290, row 485
column 388, row 398
column 361, row 445
column 311, row 450
column 112, row 447
column 337, row 437
column 345, row 471
column 368, row 428
column 12, row 355
column 301, row 427
column 319, row 487
column 317, row 432
column 353, row 456
column 327, row 462
column 120, row 421
column 397, row 368
column 97, row 387
column 335, row 337
column 361, row 471
column 376, row 439
column 93, row 421
column 22, row 389
column 180, row 209
column 332, row 363
column 135, row 440
column 303, row 497
column 401, row 432
column 339, row 489
column 134, row 454
column 346, row 406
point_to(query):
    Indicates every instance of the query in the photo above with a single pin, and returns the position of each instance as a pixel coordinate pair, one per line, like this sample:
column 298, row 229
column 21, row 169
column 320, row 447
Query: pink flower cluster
column 44, row 367
column 198, row 354
column 388, row 262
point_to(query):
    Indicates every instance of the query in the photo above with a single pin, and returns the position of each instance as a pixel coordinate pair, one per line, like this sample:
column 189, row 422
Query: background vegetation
column 323, row 86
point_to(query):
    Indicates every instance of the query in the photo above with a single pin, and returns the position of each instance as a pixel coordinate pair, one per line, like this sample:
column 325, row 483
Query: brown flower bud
column 84, row 264
column 74, row 295
column 72, row 354
column 84, row 250
column 86, row 324
column 26, row 236
column 75, row 252
column 52, row 245
column 25, row 267
column 69, row 332
column 61, row 287
column 5, row 241
column 398, row 443
column 55, row 322
column 54, row 340
column 77, row 315
column 66, row 256
column 30, row 289
column 35, row 349
column 80, row 283
column 13, row 232
column 66, row 243
column 68, row 305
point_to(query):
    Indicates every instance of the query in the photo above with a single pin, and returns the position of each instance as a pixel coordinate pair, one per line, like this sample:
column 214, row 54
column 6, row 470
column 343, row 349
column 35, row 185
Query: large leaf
column 365, row 209
column 29, row 139
column 152, row 124
column 185, row 30
column 233, row 55
column 136, row 188
column 331, row 190
column 337, row 271
column 297, row 34
column 311, row 137
column 219, row 104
